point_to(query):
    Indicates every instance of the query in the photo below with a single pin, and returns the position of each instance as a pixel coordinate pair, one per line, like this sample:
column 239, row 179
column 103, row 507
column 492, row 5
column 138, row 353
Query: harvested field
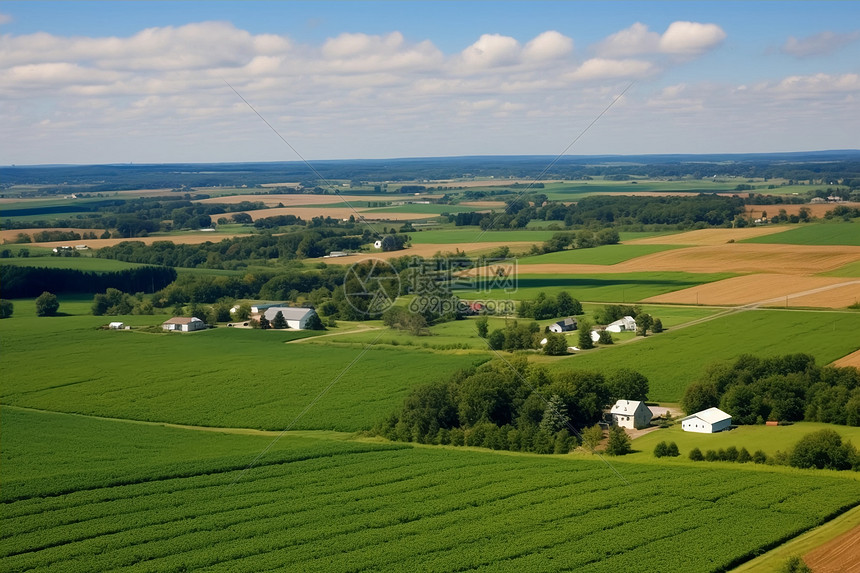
column 852, row 359
column 484, row 182
column 288, row 200
column 818, row 210
column 430, row 249
column 10, row 234
column 188, row 239
column 836, row 297
column 705, row 237
column 837, row 556
column 339, row 212
column 484, row 204
column 752, row 289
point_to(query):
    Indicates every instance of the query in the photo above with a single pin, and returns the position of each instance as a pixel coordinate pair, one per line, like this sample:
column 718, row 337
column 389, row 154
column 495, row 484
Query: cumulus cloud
column 820, row 44
column 602, row 69
column 550, row 45
column 679, row 39
column 491, row 50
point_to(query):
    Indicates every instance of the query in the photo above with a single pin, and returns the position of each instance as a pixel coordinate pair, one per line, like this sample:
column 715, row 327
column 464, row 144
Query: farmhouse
column 623, row 324
column 707, row 421
column 565, row 325
column 297, row 317
column 183, row 324
column 633, row 414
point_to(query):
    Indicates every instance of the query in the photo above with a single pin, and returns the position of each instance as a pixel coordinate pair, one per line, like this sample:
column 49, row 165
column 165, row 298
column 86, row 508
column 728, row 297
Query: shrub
column 711, row 456
column 619, row 442
column 696, row 455
column 661, row 450
column 795, row 564
column 823, row 449
column 743, row 456
column 759, row 457
column 6, row 308
column 47, row 304
column 731, row 454
column 672, row 450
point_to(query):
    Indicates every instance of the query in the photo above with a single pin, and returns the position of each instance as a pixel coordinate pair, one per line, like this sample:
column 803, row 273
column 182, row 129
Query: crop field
column 474, row 235
column 83, row 263
column 346, row 506
column 192, row 238
column 777, row 288
column 816, row 210
column 421, row 209
column 603, row 255
column 708, row 237
column 223, row 377
column 769, row 439
column 825, row 335
column 849, row 270
column 852, row 359
column 288, row 200
column 335, row 212
column 814, row 234
column 601, row 285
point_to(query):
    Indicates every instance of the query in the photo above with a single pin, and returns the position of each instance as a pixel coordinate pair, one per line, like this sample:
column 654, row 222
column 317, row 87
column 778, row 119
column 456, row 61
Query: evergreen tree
column 555, row 415
column 585, row 341
column 619, row 442
column 279, row 322
column 264, row 323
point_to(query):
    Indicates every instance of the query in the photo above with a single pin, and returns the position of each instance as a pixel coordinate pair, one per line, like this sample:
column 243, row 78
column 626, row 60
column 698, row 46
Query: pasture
column 602, row 255
column 82, row 263
column 316, row 505
column 673, row 359
column 814, row 234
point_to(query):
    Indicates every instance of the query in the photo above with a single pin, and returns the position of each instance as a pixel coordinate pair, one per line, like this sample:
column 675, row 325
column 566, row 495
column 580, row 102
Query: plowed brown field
column 842, row 555
column 707, row 236
column 764, row 288
column 818, row 210
column 852, row 359
column 189, row 239
column 336, row 212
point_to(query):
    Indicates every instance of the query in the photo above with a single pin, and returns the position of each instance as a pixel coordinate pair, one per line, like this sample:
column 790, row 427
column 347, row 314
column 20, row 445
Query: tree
column 605, row 337
column 823, row 449
column 626, row 384
column 556, row 344
column 496, row 339
column 6, row 308
column 795, row 564
column 592, row 436
column 243, row 312
column 744, row 456
column 279, row 322
column 661, row 450
column 554, row 415
column 696, row 455
column 585, row 341
column 672, row 450
column 643, row 323
column 567, row 305
column 619, row 442
column 482, row 325
column 314, row 322
column 657, row 327
column 759, row 457
column 699, row 396
column 264, row 323
column 47, row 304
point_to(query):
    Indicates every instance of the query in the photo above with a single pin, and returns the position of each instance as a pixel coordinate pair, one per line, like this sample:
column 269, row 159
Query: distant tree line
column 785, row 388
column 507, row 405
column 19, row 282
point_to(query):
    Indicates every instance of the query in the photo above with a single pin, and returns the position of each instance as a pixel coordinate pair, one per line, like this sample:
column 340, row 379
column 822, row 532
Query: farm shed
column 264, row 306
column 565, row 325
column 707, row 421
column 297, row 317
column 183, row 324
column 633, row 414
column 623, row 324
column 116, row 325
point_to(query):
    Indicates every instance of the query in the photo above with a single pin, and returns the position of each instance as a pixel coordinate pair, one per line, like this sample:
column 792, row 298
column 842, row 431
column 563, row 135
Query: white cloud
column 679, row 39
column 550, row 45
column 820, row 44
column 690, row 38
column 603, row 68
column 491, row 50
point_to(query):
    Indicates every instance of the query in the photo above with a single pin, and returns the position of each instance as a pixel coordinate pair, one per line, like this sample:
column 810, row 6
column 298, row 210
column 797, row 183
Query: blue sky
column 91, row 82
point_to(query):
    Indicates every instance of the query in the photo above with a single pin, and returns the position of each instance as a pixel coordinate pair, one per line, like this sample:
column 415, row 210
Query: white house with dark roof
column 183, row 324
column 633, row 414
column 296, row 317
column 566, row 325
column 707, row 421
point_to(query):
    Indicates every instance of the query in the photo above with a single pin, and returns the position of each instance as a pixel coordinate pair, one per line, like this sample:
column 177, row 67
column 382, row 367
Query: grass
column 603, row 255
column 475, row 235
column 814, row 234
column 849, row 270
column 84, row 263
column 673, row 359
column 769, row 439
column 222, row 377
column 619, row 287
column 431, row 209
column 315, row 505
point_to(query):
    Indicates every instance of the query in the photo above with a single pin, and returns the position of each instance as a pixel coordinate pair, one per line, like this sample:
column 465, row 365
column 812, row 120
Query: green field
column 221, row 377
column 620, row 287
column 849, row 270
column 431, row 209
column 769, row 439
column 345, row 506
column 603, row 255
column 475, row 235
column 84, row 263
column 825, row 335
column 814, row 234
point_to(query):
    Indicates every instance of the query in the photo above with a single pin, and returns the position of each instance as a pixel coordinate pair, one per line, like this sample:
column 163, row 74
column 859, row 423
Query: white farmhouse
column 297, row 317
column 707, row 421
column 623, row 324
column 633, row 414
column 183, row 324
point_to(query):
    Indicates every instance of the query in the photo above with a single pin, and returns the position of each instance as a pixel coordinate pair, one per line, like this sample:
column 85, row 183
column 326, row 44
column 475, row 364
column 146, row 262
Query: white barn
column 707, row 421
column 623, row 324
column 116, row 325
column 633, row 414
column 566, row 325
column 183, row 324
column 297, row 317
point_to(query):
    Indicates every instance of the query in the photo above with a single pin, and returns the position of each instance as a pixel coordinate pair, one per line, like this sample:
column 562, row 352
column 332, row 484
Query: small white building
column 297, row 317
column 707, row 421
column 623, row 324
column 183, row 324
column 377, row 244
column 264, row 306
column 633, row 414
column 116, row 325
column 566, row 325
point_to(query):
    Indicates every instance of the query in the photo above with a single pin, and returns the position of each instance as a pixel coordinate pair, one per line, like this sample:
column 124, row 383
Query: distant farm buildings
column 633, row 414
column 296, row 317
column 707, row 421
column 566, row 325
column 183, row 324
column 623, row 324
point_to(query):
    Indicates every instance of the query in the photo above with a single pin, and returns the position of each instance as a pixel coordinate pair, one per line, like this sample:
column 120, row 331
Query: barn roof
column 710, row 416
column 182, row 320
column 289, row 312
column 625, row 407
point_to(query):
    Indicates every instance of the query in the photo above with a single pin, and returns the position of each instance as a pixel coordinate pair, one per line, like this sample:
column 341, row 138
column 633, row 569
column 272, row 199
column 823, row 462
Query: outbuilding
column 623, row 324
column 296, row 317
column 633, row 414
column 707, row 421
column 566, row 325
column 183, row 324
column 116, row 325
